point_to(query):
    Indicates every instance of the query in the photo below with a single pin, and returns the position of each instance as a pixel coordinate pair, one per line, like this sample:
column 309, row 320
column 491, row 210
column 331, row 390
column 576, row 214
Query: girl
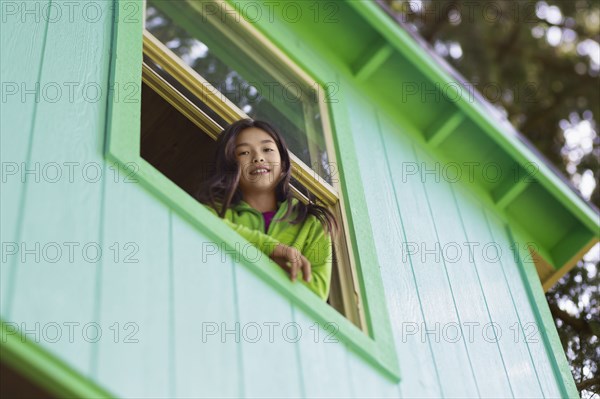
column 249, row 189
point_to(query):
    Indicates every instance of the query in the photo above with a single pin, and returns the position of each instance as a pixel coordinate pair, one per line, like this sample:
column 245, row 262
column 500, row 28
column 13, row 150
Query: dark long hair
column 222, row 186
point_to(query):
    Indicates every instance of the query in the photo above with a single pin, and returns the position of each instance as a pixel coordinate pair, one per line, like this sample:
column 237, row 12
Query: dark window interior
column 173, row 144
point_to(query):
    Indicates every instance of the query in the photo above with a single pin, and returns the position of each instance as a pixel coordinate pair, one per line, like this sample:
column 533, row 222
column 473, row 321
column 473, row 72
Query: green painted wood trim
column 43, row 368
column 443, row 128
column 123, row 147
column 369, row 63
column 544, row 319
column 577, row 237
column 125, row 85
column 402, row 41
column 361, row 231
column 508, row 191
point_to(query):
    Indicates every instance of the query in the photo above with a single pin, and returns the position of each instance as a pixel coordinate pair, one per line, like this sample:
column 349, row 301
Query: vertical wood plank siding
column 17, row 126
column 181, row 289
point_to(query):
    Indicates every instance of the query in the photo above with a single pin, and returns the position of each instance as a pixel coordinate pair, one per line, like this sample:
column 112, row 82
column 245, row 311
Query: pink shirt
column 268, row 216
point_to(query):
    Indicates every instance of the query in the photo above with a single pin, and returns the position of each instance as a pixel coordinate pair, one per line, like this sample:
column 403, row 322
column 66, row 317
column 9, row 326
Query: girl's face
column 259, row 160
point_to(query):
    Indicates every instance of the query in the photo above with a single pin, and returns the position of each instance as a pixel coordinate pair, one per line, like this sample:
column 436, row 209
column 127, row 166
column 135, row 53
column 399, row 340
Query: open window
column 211, row 68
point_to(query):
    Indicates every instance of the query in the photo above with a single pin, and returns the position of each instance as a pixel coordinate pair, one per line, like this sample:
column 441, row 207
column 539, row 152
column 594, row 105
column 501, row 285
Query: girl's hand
column 291, row 260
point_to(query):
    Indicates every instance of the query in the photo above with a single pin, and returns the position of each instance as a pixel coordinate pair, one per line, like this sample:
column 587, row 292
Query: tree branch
column 588, row 383
column 578, row 324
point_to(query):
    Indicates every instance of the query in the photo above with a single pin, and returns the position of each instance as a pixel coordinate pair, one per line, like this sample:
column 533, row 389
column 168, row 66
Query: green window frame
column 123, row 144
column 186, row 89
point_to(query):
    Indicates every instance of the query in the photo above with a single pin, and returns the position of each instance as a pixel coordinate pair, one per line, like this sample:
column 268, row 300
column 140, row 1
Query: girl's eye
column 245, row 152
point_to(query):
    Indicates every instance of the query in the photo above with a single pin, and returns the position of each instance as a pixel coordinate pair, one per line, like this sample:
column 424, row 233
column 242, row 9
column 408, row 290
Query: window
column 198, row 77
column 204, row 72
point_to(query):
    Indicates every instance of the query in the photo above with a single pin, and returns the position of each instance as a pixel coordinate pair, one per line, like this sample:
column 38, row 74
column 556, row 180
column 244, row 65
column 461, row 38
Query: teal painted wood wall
column 170, row 294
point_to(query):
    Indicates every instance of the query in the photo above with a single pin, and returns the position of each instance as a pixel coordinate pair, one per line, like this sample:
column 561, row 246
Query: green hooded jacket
column 308, row 237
